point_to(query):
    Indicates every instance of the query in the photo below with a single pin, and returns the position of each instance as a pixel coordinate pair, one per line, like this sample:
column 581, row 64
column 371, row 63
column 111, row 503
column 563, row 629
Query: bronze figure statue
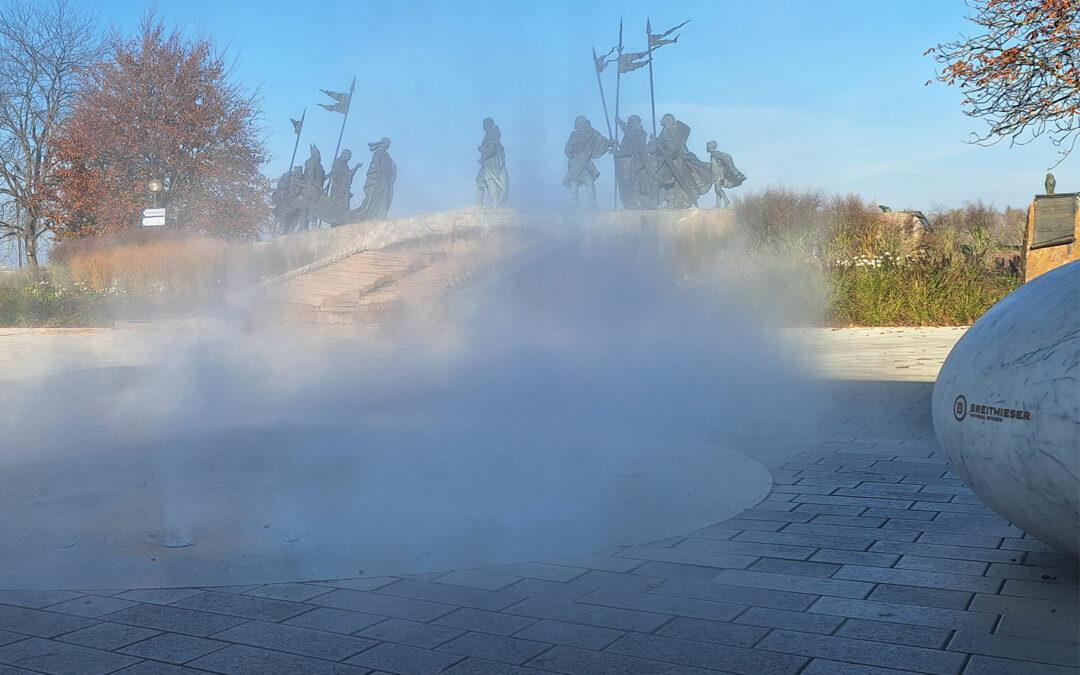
column 584, row 145
column 379, row 186
column 341, row 178
column 635, row 168
column 314, row 177
column 724, row 173
column 681, row 175
column 1051, row 184
column 492, row 179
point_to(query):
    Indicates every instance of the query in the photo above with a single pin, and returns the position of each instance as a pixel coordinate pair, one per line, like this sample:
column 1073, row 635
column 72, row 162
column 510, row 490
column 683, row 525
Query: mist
column 616, row 389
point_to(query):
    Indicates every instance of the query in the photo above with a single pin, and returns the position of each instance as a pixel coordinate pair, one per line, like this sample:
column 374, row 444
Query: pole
column 352, row 87
column 652, row 96
column 297, row 143
column 618, row 84
column 603, row 101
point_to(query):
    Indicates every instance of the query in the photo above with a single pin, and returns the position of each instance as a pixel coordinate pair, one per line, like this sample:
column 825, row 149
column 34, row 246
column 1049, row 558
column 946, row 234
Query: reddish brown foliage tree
column 161, row 107
column 1022, row 74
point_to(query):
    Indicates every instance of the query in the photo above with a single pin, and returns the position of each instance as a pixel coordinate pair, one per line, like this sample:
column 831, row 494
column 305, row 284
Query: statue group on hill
column 303, row 196
column 650, row 174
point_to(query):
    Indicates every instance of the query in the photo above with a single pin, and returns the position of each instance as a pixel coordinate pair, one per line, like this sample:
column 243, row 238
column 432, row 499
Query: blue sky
column 825, row 95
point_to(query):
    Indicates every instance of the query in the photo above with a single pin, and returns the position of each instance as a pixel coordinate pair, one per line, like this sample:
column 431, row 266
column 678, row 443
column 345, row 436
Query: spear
column 296, row 128
column 618, row 83
column 599, row 64
column 347, row 108
column 652, row 96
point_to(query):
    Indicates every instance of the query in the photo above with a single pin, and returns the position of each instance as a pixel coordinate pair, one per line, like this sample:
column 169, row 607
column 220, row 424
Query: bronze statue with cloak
column 681, row 175
column 492, row 178
column 584, row 145
column 379, row 186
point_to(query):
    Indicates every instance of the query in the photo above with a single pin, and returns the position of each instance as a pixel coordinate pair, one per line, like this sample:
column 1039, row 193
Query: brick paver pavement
column 869, row 557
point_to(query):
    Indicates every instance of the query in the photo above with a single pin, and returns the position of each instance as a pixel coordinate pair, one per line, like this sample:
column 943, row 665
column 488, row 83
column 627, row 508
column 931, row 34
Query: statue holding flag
column 634, row 168
column 584, row 145
column 341, row 178
column 492, row 178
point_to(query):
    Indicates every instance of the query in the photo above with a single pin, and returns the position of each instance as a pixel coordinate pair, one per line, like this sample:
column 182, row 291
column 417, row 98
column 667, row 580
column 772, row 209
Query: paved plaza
column 868, row 556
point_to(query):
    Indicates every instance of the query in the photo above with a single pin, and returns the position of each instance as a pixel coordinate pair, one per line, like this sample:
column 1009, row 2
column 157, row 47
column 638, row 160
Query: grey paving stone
column 946, row 551
column 452, row 595
column 35, row 599
column 611, row 581
column 827, row 667
column 954, row 582
column 844, row 531
column 39, row 623
column 895, row 633
column 500, row 648
column 800, row 490
column 1049, row 575
column 1013, row 544
column 571, row 634
column 737, row 635
column 783, row 516
column 361, row 584
column 706, row 655
column 58, row 658
column 842, row 557
column 667, row 571
column 664, row 604
column 296, row 640
column 536, row 570
column 925, row 597
column 483, row 667
column 1046, row 590
column 108, row 636
column 243, row 605
column 527, row 588
column 405, row 660
column 484, row 622
column 988, row 665
column 600, row 561
column 810, row 540
column 748, row 548
column 902, row 514
column 92, row 606
column 934, row 564
column 795, row 567
column 574, row 661
column 833, row 509
column 476, row 579
column 335, row 620
column 7, row 637
column 747, row 524
column 290, row 592
column 688, row 557
column 1057, row 619
column 864, row 651
column 593, row 615
column 1021, row 649
column 175, row 619
column 236, row 589
column 714, row 532
column 173, row 648
column 741, row 595
column 159, row 596
column 856, row 501
column 941, row 507
column 1062, row 561
column 243, row 660
column 795, row 583
column 849, row 521
column 893, row 612
column 385, row 605
column 800, row 621
column 154, row 668
column 960, row 539
column 423, row 635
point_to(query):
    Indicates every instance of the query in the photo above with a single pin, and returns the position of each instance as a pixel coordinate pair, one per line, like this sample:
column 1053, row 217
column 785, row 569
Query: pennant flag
column 631, row 61
column 342, row 105
column 671, row 30
column 656, row 42
column 601, row 61
column 297, row 125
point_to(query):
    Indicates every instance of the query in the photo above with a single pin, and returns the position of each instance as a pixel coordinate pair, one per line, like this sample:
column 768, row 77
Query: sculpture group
column 651, row 172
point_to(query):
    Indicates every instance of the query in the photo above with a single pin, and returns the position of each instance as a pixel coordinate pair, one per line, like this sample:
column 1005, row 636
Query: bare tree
column 1021, row 72
column 43, row 46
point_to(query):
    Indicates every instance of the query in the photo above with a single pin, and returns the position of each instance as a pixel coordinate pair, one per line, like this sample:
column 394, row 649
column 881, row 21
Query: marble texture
column 1006, row 407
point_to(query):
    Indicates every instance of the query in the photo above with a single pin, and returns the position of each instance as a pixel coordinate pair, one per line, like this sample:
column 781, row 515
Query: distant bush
column 39, row 300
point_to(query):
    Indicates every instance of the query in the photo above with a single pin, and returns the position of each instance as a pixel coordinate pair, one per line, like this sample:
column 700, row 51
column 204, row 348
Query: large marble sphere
column 1007, row 407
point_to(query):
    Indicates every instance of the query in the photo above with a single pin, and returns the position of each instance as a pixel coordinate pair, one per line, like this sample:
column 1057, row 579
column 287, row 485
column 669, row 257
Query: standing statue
column 314, row 177
column 379, row 186
column 492, row 178
column 635, row 168
column 288, row 200
column 341, row 178
column 681, row 175
column 584, row 145
column 1050, row 184
column 724, row 173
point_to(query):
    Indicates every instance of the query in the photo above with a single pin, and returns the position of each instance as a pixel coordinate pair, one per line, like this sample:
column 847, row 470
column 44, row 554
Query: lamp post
column 155, row 186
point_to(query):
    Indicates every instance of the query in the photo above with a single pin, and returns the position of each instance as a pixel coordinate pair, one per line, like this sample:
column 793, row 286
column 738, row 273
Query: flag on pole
column 601, row 61
column 658, row 39
column 343, row 101
column 631, row 61
column 297, row 125
column 655, row 42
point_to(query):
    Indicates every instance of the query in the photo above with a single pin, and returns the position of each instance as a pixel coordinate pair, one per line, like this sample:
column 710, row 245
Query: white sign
column 153, row 213
column 153, row 221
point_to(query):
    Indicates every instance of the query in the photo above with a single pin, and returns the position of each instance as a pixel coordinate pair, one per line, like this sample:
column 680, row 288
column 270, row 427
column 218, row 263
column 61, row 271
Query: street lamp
column 155, row 186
